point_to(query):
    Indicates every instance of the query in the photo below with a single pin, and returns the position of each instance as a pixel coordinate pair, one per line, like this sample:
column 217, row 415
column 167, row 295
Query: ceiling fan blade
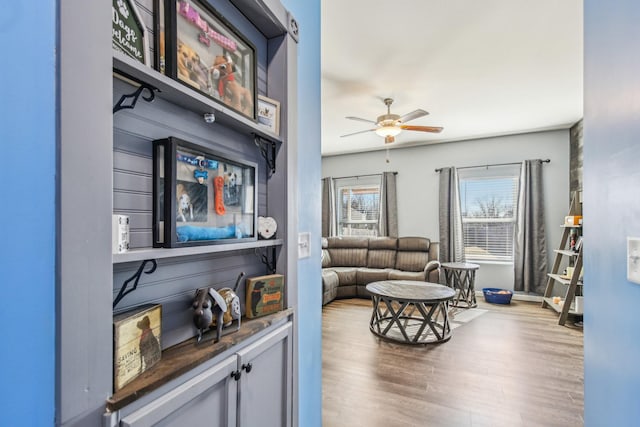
column 413, row 115
column 433, row 129
column 355, row 133
column 360, row 120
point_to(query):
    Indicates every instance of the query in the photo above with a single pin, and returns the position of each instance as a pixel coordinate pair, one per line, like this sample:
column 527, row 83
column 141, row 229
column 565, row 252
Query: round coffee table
column 462, row 276
column 410, row 312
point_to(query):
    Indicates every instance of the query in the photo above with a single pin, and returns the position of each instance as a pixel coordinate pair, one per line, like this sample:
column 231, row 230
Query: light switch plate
column 633, row 259
column 304, row 245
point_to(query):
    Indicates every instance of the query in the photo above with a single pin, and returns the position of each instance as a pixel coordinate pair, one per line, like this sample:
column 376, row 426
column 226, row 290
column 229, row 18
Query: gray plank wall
column 175, row 280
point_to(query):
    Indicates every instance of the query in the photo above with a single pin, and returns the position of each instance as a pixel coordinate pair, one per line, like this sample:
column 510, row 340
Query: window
column 488, row 204
column 358, row 205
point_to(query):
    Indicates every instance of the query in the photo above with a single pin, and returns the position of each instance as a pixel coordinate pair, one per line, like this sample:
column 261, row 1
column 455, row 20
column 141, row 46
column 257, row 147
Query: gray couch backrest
column 348, row 251
column 413, row 253
column 382, row 252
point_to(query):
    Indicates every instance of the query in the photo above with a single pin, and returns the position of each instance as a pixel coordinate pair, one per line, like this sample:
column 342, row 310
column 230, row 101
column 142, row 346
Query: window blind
column 488, row 203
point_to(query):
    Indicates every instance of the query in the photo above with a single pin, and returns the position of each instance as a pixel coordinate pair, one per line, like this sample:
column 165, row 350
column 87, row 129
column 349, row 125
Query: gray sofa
column 350, row 263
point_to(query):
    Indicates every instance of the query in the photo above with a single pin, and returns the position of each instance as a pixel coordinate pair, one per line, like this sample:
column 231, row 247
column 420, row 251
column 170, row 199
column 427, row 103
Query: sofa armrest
column 432, row 272
column 431, row 265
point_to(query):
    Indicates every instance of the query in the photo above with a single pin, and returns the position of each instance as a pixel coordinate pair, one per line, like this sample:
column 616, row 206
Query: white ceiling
column 481, row 68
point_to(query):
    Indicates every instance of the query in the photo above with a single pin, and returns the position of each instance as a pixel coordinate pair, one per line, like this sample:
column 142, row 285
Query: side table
column 461, row 276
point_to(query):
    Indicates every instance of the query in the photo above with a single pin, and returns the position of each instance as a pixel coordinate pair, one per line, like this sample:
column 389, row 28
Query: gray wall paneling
column 174, row 282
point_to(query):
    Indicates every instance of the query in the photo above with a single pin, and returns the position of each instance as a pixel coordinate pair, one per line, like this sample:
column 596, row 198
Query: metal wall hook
column 268, row 258
column 268, row 151
column 136, row 278
column 130, row 100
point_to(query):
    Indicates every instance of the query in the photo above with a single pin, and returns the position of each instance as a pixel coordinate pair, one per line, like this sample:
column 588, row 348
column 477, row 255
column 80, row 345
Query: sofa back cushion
column 326, row 258
column 382, row 252
column 348, row 251
column 413, row 253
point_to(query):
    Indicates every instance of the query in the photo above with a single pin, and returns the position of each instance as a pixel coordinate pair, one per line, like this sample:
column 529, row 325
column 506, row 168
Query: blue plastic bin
column 492, row 296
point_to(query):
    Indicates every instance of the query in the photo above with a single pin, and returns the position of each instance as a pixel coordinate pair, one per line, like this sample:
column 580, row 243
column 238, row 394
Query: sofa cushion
column 329, row 286
column 346, row 275
column 346, row 291
column 347, row 242
column 413, row 253
column 348, row 251
column 381, row 258
column 326, row 258
column 413, row 244
column 411, row 261
column 368, row 275
column 329, row 280
column 348, row 257
column 406, row 275
column 362, row 292
column 383, row 243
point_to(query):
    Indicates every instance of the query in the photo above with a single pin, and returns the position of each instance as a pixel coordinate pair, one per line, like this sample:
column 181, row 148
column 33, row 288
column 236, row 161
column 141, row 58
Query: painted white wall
column 417, row 182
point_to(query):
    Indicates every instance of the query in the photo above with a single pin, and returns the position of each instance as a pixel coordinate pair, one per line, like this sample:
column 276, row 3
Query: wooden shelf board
column 571, row 226
column 158, row 253
column 183, row 357
column 179, row 94
column 559, row 279
column 558, row 309
column 565, row 252
column 562, row 280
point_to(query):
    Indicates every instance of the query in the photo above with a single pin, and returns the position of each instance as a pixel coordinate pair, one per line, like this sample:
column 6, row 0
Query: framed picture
column 199, row 48
column 201, row 197
column 269, row 114
column 128, row 33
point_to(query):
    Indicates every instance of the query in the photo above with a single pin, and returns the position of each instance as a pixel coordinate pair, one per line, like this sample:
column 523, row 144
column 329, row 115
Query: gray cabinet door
column 208, row 399
column 265, row 390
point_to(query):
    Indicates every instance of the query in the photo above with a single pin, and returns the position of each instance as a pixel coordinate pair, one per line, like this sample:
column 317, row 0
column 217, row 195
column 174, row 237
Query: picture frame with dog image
column 202, row 50
column 200, row 196
column 269, row 114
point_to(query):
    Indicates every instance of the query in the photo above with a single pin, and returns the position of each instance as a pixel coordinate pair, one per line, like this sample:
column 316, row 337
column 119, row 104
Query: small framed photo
column 269, row 114
column 199, row 48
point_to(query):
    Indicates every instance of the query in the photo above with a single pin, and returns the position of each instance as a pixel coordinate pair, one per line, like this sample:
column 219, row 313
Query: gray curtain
column 328, row 208
column 388, row 224
column 530, row 246
column 451, row 238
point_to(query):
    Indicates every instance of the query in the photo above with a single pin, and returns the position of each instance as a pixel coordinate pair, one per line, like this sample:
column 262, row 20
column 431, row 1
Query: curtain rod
column 361, row 176
column 496, row 164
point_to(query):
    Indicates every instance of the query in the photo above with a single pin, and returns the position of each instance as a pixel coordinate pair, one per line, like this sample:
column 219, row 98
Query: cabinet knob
column 247, row 367
column 236, row 375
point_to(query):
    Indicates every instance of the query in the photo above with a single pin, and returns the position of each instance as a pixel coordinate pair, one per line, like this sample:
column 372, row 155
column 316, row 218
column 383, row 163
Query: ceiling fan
column 390, row 125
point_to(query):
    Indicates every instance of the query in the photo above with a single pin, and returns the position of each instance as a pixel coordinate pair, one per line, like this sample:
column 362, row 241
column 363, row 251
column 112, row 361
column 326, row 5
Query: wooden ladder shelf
column 571, row 282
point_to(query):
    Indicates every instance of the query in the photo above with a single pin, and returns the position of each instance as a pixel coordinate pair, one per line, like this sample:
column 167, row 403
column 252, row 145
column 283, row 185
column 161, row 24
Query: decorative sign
column 264, row 295
column 136, row 346
column 128, row 32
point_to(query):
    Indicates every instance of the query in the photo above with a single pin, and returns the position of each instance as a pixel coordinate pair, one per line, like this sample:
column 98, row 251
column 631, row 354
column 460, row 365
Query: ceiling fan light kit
column 390, row 125
column 385, row 131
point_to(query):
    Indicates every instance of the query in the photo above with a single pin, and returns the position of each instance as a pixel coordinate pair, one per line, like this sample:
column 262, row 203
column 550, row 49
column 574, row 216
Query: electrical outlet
column 633, row 259
column 304, row 245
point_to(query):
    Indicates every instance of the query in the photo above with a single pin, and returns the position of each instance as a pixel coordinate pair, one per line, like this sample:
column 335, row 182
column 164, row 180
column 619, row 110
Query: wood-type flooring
column 512, row 366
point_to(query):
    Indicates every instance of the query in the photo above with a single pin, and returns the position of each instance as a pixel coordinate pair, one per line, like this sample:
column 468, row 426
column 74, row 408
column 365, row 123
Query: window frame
column 351, row 184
